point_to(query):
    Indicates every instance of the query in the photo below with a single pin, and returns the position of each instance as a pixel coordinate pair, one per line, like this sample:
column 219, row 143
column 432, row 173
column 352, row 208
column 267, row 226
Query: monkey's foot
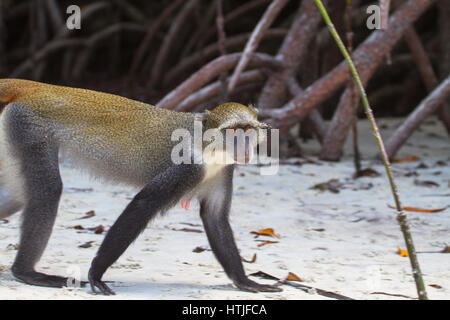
column 185, row 204
column 252, row 286
column 104, row 289
column 41, row 279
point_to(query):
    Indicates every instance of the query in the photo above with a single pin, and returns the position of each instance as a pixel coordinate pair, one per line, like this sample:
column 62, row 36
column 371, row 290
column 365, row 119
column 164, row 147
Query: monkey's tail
column 15, row 89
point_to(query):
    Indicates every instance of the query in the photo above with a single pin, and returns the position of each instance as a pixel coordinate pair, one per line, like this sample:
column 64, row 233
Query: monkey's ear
column 202, row 116
column 252, row 107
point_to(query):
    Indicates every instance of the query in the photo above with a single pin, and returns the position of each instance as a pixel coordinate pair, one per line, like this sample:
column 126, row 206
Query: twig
column 266, row 21
column 392, row 294
column 211, row 70
column 401, row 216
column 415, row 119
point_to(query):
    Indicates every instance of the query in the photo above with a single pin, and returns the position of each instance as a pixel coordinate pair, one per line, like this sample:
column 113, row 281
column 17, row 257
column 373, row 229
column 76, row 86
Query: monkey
column 123, row 141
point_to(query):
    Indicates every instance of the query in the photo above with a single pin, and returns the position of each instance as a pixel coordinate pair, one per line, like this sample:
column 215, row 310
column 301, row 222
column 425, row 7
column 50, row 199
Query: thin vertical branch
column 354, row 102
column 169, row 41
column 292, row 52
column 221, row 39
column 401, row 216
column 266, row 21
column 152, row 31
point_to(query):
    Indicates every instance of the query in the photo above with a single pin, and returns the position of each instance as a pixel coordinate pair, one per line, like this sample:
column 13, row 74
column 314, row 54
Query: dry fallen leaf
column 369, row 172
column 405, row 159
column 435, row 286
column 88, row 214
column 98, row 229
column 293, row 277
column 331, row 185
column 78, row 227
column 266, row 232
column 253, row 260
column 86, row 244
column 402, row 253
column 446, row 250
column 200, row 249
column 415, row 209
column 266, row 242
column 425, row 183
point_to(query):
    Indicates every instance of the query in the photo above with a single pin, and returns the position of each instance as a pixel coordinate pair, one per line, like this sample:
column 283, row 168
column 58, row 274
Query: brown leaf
column 425, row 183
column 86, row 244
column 293, row 277
column 88, row 214
column 446, row 250
column 369, row 172
column 200, row 249
column 263, row 243
column 414, row 209
column 435, row 286
column 441, row 163
column 331, row 185
column 253, row 260
column 78, row 227
column 98, row 229
column 405, row 159
column 319, row 229
column 402, row 252
column 266, row 232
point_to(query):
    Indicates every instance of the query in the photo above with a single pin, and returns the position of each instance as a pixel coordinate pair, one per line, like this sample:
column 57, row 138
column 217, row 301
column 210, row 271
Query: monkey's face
column 239, row 130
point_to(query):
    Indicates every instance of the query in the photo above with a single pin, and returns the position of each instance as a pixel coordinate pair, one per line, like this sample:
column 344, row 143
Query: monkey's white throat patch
column 214, row 162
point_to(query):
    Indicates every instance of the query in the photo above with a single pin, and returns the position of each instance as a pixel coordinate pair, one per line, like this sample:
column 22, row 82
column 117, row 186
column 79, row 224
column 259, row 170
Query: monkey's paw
column 104, row 289
column 252, row 286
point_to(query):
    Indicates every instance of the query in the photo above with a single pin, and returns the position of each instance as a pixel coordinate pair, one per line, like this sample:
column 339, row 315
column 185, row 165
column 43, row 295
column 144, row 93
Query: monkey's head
column 241, row 131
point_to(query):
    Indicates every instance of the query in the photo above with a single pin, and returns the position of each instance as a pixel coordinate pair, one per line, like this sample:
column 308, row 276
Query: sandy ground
column 342, row 242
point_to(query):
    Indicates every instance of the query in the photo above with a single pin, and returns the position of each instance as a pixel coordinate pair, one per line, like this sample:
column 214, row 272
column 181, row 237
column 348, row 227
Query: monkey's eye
column 247, row 129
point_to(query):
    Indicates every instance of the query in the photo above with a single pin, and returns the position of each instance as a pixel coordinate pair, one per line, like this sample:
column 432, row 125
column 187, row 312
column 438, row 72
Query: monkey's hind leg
column 37, row 155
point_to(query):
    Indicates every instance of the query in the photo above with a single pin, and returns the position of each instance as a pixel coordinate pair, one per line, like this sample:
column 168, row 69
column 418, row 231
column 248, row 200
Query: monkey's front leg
column 214, row 210
column 162, row 192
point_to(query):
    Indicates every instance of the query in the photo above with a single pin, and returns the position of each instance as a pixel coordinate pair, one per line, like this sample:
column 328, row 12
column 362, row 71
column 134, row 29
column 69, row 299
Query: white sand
column 354, row 254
